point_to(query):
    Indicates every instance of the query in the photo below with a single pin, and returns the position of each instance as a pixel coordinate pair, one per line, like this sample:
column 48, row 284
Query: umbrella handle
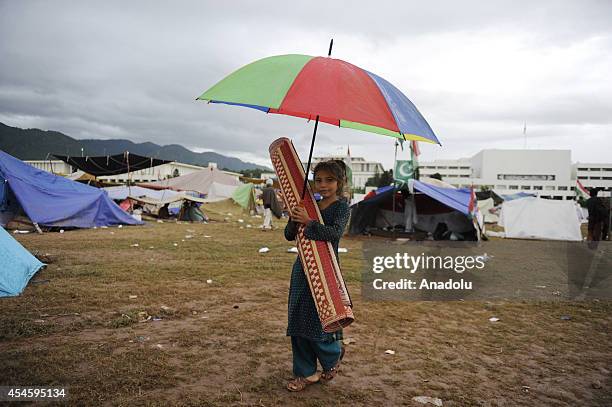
column 314, row 134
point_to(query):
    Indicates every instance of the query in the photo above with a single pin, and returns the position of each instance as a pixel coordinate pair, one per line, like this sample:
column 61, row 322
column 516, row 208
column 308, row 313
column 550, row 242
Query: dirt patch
column 216, row 335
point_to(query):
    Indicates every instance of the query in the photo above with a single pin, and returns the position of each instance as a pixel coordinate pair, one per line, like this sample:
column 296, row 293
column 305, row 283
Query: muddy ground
column 79, row 324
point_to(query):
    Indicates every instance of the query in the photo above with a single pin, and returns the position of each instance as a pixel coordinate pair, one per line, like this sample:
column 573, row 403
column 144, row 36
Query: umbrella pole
column 314, row 134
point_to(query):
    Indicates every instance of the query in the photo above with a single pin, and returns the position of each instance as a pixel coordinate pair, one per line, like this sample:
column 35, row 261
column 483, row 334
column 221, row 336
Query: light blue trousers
column 307, row 352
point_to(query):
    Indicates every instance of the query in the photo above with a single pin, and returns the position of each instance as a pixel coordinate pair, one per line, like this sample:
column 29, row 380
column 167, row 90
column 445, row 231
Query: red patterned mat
column 318, row 259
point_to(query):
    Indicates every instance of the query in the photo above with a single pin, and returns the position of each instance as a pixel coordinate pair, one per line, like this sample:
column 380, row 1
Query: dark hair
column 337, row 169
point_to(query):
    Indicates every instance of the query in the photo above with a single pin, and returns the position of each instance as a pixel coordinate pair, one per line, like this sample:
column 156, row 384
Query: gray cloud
column 476, row 70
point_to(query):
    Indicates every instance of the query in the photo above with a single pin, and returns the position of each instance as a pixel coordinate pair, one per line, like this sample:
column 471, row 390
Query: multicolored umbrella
column 324, row 89
column 333, row 90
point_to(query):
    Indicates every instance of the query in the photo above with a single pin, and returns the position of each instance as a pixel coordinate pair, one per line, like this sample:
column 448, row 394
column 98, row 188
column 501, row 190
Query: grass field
column 224, row 343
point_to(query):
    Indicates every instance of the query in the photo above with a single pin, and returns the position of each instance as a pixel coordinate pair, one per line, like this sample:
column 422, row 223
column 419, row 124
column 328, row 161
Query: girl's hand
column 299, row 214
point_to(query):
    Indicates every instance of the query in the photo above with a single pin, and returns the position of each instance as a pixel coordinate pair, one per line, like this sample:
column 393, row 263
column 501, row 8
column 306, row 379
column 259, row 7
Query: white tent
column 537, row 218
column 121, row 192
column 213, row 183
column 488, row 210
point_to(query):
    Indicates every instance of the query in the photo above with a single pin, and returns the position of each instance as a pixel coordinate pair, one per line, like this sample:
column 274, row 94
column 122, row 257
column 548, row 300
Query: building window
column 550, row 188
column 582, row 169
column 519, row 177
column 571, row 188
column 453, row 168
column 513, row 187
column 607, row 169
column 583, row 177
column 595, row 169
column 537, row 187
column 467, row 168
column 606, row 178
column 595, row 177
column 526, row 187
column 562, row 188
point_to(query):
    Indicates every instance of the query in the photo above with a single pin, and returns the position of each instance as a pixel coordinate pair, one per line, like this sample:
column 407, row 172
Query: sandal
column 300, row 383
column 328, row 375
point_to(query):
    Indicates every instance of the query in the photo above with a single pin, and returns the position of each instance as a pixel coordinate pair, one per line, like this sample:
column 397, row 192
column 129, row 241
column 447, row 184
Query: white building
column 362, row 169
column 546, row 173
column 160, row 172
column 57, row 167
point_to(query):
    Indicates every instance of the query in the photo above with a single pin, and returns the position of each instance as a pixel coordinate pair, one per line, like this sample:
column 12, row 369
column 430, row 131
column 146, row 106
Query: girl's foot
column 328, row 375
column 300, row 383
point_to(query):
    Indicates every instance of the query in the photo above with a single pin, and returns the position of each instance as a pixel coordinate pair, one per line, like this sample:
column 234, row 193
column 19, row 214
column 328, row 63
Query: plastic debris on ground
column 348, row 341
column 292, row 250
column 209, row 281
column 160, row 221
column 249, row 226
column 188, row 236
column 21, row 231
column 390, row 352
column 240, row 220
column 428, row 400
column 133, row 297
column 61, row 230
column 342, row 250
column 493, row 319
column 134, row 245
column 264, row 250
column 175, row 244
column 565, row 317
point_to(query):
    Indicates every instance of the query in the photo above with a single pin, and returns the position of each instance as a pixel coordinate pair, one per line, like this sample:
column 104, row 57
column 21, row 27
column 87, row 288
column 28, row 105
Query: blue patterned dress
column 303, row 317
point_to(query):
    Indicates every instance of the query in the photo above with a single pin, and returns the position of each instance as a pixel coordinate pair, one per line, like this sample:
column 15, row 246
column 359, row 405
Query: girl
column 308, row 341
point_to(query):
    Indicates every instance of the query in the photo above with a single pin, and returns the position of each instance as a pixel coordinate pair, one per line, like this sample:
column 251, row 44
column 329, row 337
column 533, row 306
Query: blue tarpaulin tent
column 53, row 201
column 460, row 199
column 17, row 265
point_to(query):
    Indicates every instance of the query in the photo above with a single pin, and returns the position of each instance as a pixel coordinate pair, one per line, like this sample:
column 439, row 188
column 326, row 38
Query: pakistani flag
column 405, row 169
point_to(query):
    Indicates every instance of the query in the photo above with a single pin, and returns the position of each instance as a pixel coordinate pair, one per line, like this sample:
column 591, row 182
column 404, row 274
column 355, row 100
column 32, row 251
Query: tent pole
column 314, row 134
column 393, row 183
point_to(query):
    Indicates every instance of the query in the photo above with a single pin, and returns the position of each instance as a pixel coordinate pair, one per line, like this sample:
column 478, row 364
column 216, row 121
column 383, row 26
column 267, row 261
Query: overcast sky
column 476, row 70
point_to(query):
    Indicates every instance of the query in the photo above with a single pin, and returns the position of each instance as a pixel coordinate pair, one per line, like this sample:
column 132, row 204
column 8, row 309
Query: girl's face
column 325, row 184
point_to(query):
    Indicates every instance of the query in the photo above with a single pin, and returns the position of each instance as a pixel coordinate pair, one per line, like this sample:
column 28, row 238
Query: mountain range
column 35, row 144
